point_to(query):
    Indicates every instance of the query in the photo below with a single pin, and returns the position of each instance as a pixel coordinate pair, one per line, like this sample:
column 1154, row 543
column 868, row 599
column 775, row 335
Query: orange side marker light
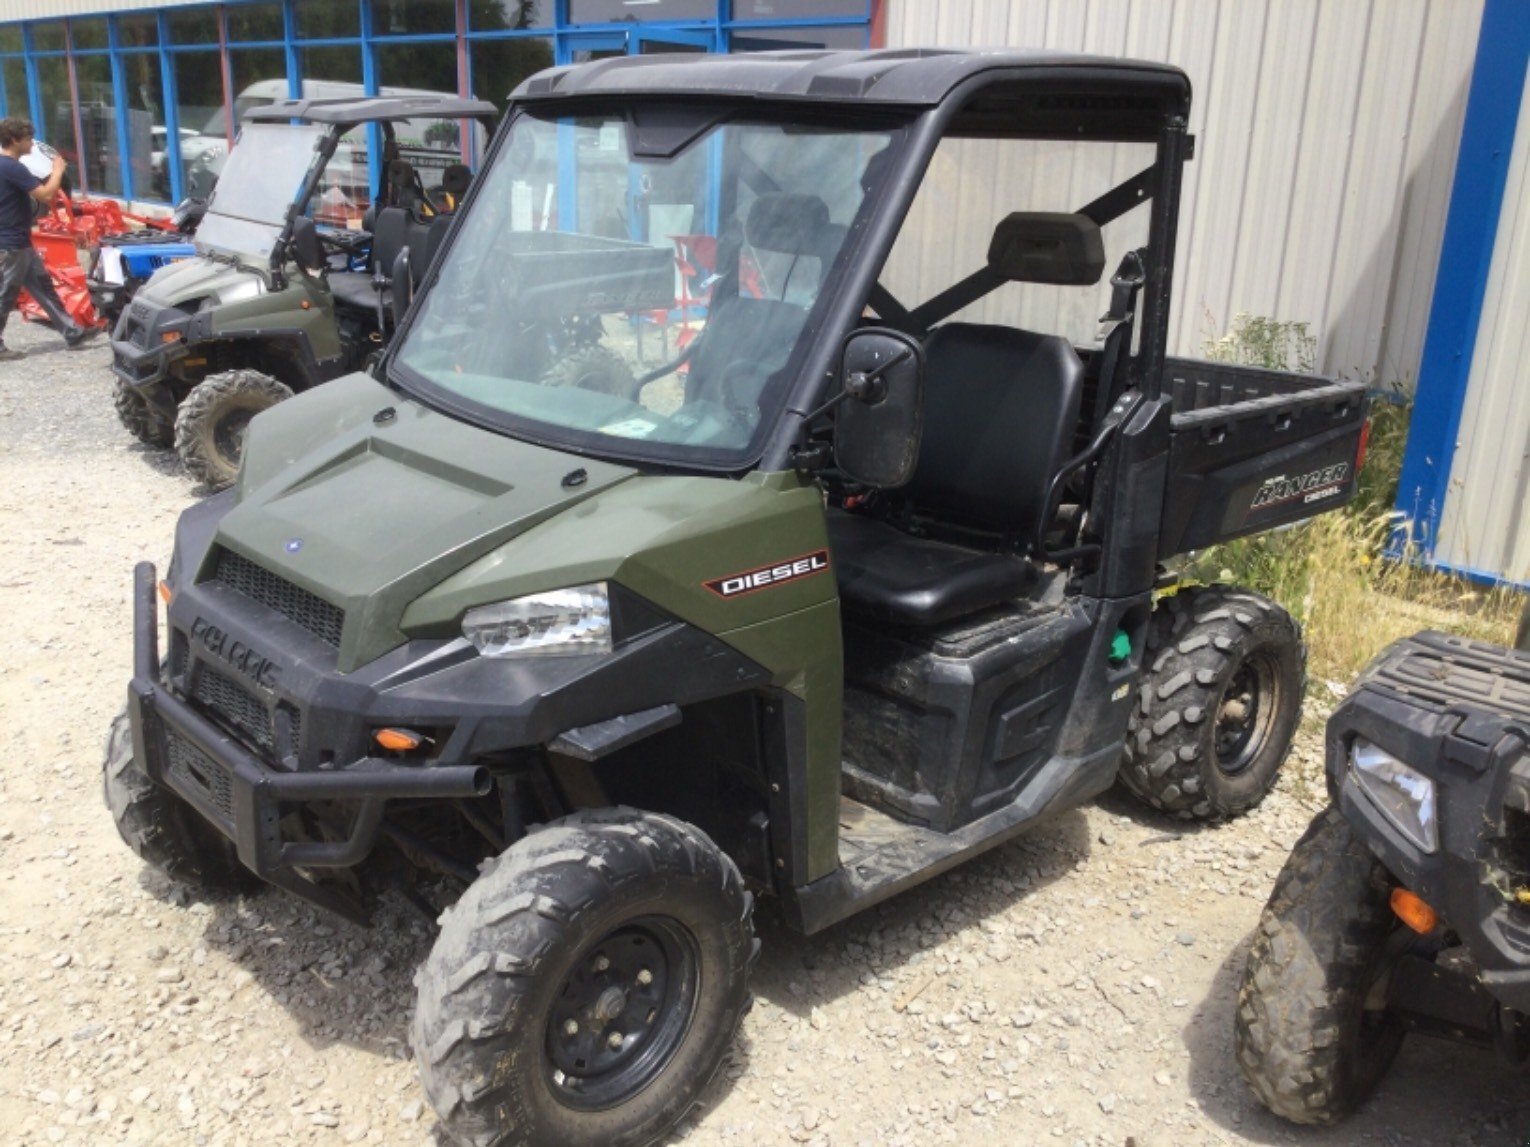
column 1413, row 912
column 164, row 592
column 398, row 740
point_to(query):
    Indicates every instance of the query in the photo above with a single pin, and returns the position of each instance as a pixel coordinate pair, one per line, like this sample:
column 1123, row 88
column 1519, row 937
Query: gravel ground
column 1074, row 987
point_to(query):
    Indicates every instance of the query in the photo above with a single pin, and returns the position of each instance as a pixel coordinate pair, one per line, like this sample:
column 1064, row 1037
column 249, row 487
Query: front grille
column 137, row 334
column 235, row 705
column 199, row 775
column 317, row 616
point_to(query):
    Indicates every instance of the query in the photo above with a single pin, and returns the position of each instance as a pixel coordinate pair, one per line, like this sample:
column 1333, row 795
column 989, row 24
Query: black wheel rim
column 228, row 435
column 1246, row 713
column 622, row 1013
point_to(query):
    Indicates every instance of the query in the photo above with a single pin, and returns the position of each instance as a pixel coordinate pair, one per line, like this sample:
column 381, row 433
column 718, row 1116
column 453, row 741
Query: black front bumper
column 239, row 793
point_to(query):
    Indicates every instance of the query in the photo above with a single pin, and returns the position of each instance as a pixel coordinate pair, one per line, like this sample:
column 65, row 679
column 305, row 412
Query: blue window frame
column 214, row 48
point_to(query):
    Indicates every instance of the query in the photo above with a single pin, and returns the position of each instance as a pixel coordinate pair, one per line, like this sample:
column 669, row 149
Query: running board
column 880, row 856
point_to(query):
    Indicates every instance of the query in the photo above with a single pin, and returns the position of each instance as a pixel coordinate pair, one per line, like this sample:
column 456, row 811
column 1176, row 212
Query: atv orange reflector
column 164, row 592
column 169, row 336
column 398, row 740
column 1413, row 912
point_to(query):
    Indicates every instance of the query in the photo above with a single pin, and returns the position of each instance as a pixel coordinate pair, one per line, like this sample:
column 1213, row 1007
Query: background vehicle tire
column 161, row 828
column 1305, row 1040
column 1522, row 639
column 210, row 425
column 142, row 420
column 631, row 927
column 1219, row 701
column 597, row 368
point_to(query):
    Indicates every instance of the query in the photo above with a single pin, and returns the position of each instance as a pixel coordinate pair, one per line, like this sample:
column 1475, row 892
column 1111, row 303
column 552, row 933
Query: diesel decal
column 253, row 665
column 1310, row 487
column 794, row 569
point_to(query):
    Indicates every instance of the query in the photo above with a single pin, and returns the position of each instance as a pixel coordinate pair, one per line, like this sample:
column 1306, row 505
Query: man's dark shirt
column 16, row 184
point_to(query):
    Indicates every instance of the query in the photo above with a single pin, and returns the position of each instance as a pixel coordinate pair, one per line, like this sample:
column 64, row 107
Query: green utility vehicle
column 292, row 282
column 862, row 574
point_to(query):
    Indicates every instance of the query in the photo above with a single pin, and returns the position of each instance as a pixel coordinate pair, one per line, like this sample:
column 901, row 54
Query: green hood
column 369, row 515
column 194, row 279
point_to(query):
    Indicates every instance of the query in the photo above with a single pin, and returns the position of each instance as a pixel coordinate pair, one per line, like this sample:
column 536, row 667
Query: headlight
column 558, row 623
column 1404, row 795
column 247, row 288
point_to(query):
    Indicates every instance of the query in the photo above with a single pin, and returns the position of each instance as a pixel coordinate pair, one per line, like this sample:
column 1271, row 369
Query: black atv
column 1406, row 906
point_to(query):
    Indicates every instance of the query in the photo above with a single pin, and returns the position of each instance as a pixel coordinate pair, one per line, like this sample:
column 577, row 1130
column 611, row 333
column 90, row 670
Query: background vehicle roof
column 349, row 110
column 916, row 76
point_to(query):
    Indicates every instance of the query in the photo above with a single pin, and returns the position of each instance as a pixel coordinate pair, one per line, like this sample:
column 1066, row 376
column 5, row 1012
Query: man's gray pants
column 24, row 267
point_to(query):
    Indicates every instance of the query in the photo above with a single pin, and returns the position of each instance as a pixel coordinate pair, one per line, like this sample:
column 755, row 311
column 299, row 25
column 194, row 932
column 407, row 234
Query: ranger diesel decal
column 1310, row 487
column 793, row 569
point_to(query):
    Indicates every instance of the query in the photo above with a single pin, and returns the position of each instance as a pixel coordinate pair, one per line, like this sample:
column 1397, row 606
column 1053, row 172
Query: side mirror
column 878, row 424
column 305, row 247
column 403, row 286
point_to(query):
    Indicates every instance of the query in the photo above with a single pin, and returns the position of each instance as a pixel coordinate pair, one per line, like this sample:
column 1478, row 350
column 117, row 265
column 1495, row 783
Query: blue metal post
column 34, row 89
column 124, row 123
column 172, row 110
column 289, row 49
column 1471, row 229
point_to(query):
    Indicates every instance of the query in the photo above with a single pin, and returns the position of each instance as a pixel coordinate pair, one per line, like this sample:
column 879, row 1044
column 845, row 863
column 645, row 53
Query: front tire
column 1218, row 704
column 594, row 367
column 163, row 829
column 1312, row 1035
column 211, row 423
column 144, row 422
column 586, row 987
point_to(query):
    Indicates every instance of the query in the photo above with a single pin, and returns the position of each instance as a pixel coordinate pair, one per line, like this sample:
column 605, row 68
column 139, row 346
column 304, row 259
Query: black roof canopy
column 348, row 110
column 1027, row 89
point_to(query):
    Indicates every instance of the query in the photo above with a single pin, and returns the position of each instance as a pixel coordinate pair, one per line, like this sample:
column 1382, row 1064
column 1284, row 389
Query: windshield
column 649, row 307
column 262, row 177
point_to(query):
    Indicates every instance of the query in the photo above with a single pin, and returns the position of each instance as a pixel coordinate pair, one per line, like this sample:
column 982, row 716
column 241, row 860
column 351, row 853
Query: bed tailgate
column 1253, row 449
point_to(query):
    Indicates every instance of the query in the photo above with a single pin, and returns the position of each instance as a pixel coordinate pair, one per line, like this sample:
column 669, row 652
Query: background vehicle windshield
column 643, row 306
column 261, row 179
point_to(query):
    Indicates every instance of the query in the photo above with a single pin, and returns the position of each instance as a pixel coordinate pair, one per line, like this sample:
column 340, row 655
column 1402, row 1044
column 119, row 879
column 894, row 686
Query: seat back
column 1001, row 408
column 390, row 234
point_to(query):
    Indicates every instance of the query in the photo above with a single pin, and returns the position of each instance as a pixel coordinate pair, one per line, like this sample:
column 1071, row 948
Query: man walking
column 20, row 265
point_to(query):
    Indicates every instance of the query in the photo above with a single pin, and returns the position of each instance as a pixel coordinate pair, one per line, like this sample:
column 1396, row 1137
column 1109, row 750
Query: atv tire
column 595, row 367
column 587, row 986
column 1305, row 1039
column 210, row 425
column 1218, row 704
column 162, row 828
column 142, row 421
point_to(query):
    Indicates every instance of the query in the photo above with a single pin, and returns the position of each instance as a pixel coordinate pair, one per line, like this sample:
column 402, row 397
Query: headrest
column 369, row 219
column 1048, row 247
column 784, row 221
column 401, row 173
column 455, row 178
column 875, row 169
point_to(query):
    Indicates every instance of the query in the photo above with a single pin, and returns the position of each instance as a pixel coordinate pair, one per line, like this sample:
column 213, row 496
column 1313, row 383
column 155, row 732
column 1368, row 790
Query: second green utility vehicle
column 825, row 592
column 291, row 284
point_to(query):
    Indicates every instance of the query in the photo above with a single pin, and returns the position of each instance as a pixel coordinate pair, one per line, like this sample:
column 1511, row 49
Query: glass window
column 13, row 74
column 972, row 185
column 328, row 21
column 331, row 72
column 259, row 77
column 88, row 34
column 509, row 15
column 57, row 127
column 411, row 67
column 204, row 130
column 413, row 17
column 98, row 124
column 147, row 143
column 265, row 173
column 783, row 39
column 254, row 22
column 10, row 38
column 500, row 65
column 48, row 37
column 621, row 12
column 193, row 25
column 797, row 9
column 137, row 31
column 583, row 244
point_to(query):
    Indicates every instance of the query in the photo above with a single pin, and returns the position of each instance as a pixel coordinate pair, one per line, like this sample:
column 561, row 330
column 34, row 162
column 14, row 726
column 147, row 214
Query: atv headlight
column 1403, row 794
column 247, row 288
column 557, row 623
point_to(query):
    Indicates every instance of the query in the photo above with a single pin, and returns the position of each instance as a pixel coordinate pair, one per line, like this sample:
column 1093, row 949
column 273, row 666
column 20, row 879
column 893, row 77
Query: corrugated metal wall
column 1326, row 132
column 1485, row 526
column 36, row 9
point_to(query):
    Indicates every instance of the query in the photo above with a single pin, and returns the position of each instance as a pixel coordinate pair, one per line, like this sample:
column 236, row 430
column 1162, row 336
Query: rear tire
column 142, row 421
column 211, row 423
column 1305, row 1039
column 586, row 987
column 1218, row 704
column 163, row 829
column 596, row 367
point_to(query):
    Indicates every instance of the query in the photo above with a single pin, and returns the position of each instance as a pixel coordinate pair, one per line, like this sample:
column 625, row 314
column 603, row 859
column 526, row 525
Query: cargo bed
column 1253, row 449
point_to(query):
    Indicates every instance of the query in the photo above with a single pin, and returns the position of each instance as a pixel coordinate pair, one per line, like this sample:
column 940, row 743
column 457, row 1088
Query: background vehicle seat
column 390, row 233
column 1001, row 406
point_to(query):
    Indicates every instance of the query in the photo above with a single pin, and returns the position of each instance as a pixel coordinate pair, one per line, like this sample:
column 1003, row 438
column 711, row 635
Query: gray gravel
column 1075, row 987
